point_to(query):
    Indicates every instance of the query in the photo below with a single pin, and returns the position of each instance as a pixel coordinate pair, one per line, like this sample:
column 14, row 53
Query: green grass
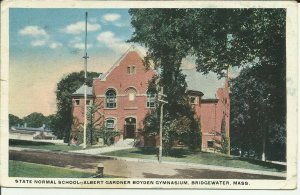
column 24, row 169
column 182, row 155
column 42, row 145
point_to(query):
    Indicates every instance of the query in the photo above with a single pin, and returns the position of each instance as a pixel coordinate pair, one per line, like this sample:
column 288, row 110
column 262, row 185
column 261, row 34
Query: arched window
column 131, row 92
column 110, row 123
column 111, row 98
column 151, row 99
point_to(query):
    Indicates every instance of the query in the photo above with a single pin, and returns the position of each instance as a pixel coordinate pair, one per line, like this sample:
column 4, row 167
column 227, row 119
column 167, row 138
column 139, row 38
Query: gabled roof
column 117, row 63
column 80, row 91
column 207, row 84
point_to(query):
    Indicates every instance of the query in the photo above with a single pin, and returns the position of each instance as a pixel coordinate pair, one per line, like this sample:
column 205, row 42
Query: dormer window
column 131, row 69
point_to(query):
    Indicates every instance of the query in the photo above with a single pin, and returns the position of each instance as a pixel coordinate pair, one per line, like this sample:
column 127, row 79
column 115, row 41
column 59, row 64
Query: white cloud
column 38, row 43
column 33, row 31
column 39, row 37
column 79, row 27
column 111, row 17
column 116, row 44
column 55, row 45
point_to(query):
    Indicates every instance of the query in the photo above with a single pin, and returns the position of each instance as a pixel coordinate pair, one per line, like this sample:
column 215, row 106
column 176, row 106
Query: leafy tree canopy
column 14, row 120
column 35, row 119
column 218, row 38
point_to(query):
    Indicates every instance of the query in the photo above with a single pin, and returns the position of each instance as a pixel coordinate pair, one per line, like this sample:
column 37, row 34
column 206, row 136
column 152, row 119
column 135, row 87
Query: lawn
column 24, row 169
column 182, row 155
column 42, row 145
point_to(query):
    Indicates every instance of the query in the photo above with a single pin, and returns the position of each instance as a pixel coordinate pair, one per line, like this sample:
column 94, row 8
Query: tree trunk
column 263, row 156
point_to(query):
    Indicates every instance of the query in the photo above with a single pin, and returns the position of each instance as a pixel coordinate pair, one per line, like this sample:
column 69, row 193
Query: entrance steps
column 126, row 143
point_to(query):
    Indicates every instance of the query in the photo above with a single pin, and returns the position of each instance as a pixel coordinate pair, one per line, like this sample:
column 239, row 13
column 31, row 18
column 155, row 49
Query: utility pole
column 161, row 95
column 85, row 78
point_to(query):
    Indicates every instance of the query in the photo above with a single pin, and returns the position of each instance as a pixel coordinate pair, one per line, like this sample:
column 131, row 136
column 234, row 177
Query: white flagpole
column 85, row 84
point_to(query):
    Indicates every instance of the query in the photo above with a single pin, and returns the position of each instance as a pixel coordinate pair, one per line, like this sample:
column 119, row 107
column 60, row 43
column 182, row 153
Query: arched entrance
column 129, row 127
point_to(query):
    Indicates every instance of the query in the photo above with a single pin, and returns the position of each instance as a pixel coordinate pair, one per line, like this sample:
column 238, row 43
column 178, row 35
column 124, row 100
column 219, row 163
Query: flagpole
column 85, row 84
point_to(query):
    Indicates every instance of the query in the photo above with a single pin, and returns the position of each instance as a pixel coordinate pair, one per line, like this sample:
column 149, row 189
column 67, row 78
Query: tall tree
column 65, row 88
column 14, row 120
column 35, row 119
column 258, row 125
column 219, row 38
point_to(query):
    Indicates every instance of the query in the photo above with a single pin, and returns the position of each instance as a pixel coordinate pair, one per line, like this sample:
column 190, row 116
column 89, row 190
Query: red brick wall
column 212, row 114
column 78, row 110
column 120, row 81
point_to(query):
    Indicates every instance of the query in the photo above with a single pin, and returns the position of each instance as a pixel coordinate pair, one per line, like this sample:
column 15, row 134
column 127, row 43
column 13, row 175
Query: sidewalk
column 97, row 151
column 122, row 145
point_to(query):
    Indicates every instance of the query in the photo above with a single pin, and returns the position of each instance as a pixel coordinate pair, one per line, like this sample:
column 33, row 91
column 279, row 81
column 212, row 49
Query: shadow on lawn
column 209, row 174
column 13, row 142
column 185, row 153
column 267, row 165
column 176, row 152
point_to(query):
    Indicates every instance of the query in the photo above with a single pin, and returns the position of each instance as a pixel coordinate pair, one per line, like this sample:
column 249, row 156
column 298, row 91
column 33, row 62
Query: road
column 127, row 169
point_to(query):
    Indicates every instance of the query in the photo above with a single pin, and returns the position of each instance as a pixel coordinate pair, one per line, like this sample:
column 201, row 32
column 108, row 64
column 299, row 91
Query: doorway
column 129, row 127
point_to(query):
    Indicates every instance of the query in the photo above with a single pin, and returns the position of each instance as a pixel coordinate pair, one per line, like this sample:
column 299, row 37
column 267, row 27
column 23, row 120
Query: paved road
column 127, row 169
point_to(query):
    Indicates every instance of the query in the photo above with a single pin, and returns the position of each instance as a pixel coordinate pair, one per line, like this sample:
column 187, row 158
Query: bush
column 108, row 135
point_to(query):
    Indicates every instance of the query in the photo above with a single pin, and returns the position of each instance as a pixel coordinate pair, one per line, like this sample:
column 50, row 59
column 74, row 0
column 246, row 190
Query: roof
column 80, row 91
column 207, row 84
column 132, row 48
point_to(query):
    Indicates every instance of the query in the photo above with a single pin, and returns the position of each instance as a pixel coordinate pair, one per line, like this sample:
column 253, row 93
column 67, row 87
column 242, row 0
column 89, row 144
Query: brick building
column 125, row 101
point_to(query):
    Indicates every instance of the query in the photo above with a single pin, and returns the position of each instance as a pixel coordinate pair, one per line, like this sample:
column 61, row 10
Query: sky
column 47, row 44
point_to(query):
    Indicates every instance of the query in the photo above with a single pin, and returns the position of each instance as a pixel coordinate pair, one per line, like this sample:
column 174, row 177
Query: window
column 210, row 144
column 131, row 92
column 88, row 102
column 128, row 70
column 131, row 69
column 111, row 98
column 151, row 99
column 193, row 100
column 110, row 123
column 77, row 102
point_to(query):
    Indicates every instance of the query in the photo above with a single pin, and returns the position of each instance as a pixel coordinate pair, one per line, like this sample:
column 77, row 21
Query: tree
column 179, row 123
column 219, row 38
column 224, row 138
column 65, row 88
column 95, row 126
column 14, row 120
column 258, row 128
column 35, row 119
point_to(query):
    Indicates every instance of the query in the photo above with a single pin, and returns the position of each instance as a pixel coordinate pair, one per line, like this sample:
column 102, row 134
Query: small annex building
column 125, row 100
